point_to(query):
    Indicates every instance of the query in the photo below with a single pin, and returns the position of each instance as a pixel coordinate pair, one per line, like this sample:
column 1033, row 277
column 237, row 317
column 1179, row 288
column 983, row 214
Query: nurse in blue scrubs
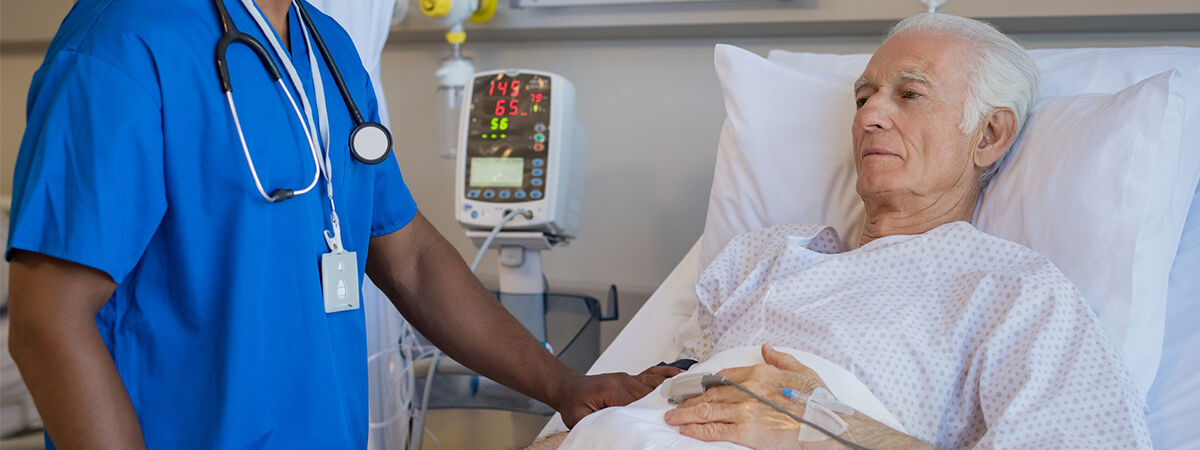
column 159, row 298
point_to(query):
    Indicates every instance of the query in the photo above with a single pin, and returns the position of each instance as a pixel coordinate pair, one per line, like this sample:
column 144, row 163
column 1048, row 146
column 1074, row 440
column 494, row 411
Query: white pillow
column 783, row 156
column 768, row 134
column 1087, row 187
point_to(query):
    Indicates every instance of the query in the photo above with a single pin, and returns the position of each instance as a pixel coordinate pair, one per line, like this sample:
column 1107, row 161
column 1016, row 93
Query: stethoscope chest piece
column 370, row 143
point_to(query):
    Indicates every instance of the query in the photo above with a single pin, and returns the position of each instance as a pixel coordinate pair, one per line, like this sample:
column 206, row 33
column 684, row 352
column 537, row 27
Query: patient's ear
column 997, row 132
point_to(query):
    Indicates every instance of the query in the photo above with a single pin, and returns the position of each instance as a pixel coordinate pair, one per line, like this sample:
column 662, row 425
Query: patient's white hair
column 1004, row 75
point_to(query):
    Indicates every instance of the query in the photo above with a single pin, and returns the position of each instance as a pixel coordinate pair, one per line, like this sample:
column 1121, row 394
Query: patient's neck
column 893, row 214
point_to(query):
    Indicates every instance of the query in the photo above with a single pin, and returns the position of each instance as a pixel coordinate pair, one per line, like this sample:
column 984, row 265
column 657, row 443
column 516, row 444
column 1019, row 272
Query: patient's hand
column 724, row 413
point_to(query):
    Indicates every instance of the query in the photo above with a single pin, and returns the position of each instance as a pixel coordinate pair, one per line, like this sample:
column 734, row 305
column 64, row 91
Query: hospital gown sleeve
column 394, row 205
column 1049, row 378
column 88, row 185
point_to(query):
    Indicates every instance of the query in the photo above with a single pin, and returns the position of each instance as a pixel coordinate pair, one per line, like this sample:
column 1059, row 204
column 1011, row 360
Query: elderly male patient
column 968, row 339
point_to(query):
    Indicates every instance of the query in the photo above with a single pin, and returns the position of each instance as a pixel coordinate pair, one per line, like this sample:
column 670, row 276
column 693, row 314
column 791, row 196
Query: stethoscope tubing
column 277, row 195
column 231, row 34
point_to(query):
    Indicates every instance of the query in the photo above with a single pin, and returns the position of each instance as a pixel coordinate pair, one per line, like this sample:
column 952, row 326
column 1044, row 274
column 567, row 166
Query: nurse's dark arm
column 52, row 335
column 433, row 288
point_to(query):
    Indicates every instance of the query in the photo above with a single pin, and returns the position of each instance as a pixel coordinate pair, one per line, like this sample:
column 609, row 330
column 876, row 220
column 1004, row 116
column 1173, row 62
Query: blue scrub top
column 130, row 164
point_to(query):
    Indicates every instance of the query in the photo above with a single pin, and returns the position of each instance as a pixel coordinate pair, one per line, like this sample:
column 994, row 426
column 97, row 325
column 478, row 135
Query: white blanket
column 970, row 340
column 640, row 425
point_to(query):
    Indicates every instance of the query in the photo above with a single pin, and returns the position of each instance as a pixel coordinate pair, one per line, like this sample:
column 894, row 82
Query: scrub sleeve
column 88, row 185
column 394, row 206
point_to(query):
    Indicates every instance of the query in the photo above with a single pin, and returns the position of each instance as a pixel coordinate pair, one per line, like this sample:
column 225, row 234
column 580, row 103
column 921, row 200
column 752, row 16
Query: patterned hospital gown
column 970, row 340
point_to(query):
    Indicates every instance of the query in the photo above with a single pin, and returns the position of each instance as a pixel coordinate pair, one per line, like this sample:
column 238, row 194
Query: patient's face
column 907, row 140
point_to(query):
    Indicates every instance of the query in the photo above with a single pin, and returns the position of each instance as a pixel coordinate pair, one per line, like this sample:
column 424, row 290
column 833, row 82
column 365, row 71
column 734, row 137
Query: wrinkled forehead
column 933, row 58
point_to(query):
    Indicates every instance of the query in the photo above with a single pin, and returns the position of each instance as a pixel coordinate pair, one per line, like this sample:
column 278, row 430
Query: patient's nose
column 874, row 115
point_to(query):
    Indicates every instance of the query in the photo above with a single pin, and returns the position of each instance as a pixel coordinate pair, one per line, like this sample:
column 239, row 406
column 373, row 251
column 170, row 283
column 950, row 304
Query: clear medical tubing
column 449, row 110
column 454, row 74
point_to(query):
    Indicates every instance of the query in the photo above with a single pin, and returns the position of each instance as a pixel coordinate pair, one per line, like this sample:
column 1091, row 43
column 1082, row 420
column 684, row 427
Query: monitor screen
column 496, row 172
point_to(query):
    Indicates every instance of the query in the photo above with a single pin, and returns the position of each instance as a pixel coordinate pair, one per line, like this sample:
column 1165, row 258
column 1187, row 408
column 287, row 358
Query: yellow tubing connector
column 435, row 8
column 456, row 37
column 487, row 9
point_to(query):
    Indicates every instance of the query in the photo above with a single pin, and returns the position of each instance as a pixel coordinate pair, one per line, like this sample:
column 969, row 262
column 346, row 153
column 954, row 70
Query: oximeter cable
column 716, row 380
column 508, row 217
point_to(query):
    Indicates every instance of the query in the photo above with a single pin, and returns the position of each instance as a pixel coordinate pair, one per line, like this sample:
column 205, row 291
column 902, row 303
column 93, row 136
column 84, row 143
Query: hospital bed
column 1145, row 287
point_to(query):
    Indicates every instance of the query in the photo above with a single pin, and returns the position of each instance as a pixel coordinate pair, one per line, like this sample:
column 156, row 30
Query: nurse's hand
column 655, row 375
column 589, row 394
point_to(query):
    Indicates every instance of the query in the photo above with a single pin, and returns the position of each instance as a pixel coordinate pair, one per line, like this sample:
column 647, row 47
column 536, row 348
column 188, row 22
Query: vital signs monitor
column 520, row 146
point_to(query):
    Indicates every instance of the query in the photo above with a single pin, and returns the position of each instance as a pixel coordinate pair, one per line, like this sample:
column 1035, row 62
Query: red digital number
column 535, row 97
column 500, row 107
column 492, row 88
column 512, row 105
column 503, row 88
column 516, row 88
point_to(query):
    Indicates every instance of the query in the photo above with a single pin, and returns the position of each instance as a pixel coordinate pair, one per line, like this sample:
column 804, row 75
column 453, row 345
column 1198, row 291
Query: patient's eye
column 859, row 102
column 910, row 94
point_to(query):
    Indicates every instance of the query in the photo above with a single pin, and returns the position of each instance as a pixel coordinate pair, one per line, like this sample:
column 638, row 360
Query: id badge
column 339, row 281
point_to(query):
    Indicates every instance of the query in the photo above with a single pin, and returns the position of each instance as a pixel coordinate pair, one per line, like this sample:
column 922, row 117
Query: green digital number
column 499, row 123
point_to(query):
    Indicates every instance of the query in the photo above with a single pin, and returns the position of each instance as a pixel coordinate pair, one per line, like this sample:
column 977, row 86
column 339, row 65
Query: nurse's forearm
column 54, row 340
column 433, row 288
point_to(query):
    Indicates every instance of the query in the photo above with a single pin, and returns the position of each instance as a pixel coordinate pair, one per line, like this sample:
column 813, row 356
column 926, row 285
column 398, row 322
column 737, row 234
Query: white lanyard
column 334, row 239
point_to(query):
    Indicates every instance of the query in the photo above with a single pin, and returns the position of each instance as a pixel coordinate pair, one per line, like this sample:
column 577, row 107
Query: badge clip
column 334, row 240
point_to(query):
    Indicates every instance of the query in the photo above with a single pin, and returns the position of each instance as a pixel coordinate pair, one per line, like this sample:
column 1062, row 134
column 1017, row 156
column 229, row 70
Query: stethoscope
column 370, row 142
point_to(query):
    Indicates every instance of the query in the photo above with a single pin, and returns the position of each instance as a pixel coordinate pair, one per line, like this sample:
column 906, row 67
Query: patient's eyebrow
column 861, row 84
column 909, row 75
column 915, row 75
